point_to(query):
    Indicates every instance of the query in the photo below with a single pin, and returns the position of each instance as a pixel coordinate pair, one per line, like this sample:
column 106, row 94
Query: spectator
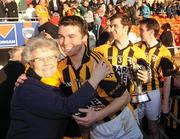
column 97, row 28
column 9, row 74
column 66, row 8
column 132, row 13
column 30, row 12
column 12, row 10
column 22, row 6
column 106, row 36
column 56, row 6
column 2, row 10
column 93, row 4
column 167, row 37
column 84, row 8
column 42, row 12
column 145, row 11
column 91, row 37
column 110, row 10
column 50, row 28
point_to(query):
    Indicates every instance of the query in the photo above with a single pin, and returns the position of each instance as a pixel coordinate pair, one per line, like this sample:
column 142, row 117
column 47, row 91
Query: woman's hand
column 99, row 72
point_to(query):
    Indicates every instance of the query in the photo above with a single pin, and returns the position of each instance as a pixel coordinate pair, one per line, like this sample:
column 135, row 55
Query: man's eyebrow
column 67, row 35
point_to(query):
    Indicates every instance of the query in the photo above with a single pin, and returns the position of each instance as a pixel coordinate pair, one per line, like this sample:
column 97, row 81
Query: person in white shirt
column 30, row 12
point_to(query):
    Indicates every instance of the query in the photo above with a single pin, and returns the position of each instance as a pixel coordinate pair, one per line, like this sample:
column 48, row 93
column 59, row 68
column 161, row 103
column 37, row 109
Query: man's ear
column 85, row 39
column 152, row 32
column 126, row 28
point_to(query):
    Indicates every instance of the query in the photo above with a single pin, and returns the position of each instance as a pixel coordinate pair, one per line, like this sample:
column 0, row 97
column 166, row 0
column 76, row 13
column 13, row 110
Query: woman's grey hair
column 39, row 43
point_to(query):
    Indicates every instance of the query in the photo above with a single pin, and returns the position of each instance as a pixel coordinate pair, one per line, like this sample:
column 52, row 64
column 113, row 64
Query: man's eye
column 71, row 36
column 60, row 36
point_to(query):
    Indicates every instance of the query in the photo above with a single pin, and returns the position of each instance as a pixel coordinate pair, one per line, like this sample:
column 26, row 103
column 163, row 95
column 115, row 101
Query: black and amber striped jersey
column 160, row 61
column 71, row 79
column 120, row 60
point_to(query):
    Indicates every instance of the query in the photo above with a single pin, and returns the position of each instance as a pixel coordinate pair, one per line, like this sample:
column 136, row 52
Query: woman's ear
column 31, row 64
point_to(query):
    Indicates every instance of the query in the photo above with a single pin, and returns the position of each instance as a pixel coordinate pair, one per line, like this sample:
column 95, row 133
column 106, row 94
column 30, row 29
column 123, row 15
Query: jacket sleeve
column 41, row 100
column 43, row 27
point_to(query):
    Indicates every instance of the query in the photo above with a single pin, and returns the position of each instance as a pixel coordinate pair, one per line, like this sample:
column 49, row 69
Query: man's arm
column 93, row 116
column 3, row 76
column 167, row 69
column 166, row 94
column 41, row 99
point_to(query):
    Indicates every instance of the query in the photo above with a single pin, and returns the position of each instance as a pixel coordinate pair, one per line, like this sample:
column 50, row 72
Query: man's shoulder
column 164, row 50
column 138, row 44
column 139, row 53
column 102, row 47
column 63, row 61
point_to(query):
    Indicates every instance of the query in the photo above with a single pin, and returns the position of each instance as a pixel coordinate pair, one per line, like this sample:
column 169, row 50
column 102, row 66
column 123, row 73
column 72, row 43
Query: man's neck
column 151, row 42
column 77, row 59
column 122, row 44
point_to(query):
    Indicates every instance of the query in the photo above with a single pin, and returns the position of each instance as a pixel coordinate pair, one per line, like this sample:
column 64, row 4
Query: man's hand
column 20, row 80
column 165, row 107
column 143, row 75
column 48, row 36
column 177, row 81
column 91, row 117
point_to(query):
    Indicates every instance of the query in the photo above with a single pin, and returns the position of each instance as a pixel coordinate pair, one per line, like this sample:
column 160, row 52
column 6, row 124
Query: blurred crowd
column 95, row 12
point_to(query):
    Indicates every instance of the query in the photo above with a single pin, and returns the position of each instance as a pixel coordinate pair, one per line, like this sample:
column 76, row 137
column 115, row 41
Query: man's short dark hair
column 151, row 23
column 75, row 21
column 166, row 26
column 125, row 20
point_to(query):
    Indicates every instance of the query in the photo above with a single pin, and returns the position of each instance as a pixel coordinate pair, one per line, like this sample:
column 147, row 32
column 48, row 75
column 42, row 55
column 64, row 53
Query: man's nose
column 66, row 41
column 111, row 28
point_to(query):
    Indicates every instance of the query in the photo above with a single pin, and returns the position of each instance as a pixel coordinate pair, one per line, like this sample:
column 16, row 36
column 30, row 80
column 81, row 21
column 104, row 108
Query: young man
column 77, row 67
column 121, row 53
column 159, row 58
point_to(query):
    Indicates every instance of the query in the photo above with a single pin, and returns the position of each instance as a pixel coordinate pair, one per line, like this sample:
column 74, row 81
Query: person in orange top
column 42, row 11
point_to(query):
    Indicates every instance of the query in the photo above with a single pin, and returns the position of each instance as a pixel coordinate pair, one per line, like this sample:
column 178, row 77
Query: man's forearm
column 116, row 105
column 166, row 91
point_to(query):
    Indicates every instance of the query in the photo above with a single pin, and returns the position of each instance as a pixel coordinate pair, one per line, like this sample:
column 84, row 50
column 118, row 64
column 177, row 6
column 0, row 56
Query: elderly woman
column 39, row 108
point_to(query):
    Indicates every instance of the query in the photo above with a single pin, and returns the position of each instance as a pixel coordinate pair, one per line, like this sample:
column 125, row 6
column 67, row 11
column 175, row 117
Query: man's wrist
column 94, row 83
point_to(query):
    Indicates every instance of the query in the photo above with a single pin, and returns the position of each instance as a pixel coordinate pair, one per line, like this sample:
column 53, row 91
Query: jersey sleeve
column 111, row 85
column 166, row 63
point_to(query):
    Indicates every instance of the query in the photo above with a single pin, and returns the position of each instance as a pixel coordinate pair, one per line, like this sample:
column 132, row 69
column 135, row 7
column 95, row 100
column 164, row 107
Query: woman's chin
column 47, row 74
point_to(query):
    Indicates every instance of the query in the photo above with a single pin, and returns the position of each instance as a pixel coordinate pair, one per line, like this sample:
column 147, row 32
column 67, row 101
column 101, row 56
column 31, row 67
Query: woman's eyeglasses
column 42, row 59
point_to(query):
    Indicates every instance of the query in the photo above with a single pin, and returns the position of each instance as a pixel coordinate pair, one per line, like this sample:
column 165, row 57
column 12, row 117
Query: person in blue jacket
column 39, row 109
column 145, row 11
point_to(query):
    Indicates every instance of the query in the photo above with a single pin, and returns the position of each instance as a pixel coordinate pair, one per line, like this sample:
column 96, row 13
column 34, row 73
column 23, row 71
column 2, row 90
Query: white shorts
column 152, row 108
column 123, row 126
